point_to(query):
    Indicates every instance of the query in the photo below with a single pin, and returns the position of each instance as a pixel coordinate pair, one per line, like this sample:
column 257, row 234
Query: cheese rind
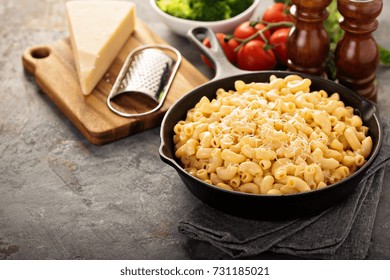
column 98, row 31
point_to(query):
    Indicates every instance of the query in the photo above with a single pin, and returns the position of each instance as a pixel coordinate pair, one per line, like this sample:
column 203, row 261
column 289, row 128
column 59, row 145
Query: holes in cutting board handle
column 32, row 55
column 40, row 52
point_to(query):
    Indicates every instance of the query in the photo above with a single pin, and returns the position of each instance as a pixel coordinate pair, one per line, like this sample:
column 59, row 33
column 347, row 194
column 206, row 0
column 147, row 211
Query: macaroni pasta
column 272, row 138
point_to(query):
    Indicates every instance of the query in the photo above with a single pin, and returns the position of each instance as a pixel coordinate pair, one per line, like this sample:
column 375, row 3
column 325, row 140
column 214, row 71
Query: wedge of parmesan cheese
column 98, row 30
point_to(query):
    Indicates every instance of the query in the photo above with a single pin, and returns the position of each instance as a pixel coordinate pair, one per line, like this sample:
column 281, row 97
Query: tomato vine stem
column 268, row 26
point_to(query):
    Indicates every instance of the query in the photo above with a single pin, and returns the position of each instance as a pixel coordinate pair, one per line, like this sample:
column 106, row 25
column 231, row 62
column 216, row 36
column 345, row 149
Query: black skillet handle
column 165, row 155
column 223, row 67
column 368, row 108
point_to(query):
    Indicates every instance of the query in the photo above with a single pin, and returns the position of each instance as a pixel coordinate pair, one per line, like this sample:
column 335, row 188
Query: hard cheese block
column 98, row 30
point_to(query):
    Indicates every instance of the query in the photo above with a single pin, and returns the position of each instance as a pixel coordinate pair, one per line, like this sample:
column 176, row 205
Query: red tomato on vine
column 276, row 13
column 278, row 41
column 255, row 56
column 249, row 28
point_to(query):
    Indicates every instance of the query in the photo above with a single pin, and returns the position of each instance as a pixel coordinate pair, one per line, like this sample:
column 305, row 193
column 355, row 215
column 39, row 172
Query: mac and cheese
column 272, row 138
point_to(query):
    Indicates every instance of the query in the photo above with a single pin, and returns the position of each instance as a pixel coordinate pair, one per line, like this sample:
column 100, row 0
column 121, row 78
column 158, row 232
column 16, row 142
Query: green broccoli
column 177, row 8
column 204, row 10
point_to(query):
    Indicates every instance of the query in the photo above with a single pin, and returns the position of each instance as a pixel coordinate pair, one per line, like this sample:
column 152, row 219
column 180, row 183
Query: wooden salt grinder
column 357, row 55
column 308, row 43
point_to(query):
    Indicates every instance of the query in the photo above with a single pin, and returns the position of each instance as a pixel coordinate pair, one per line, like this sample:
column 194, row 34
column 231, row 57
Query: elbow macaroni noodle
column 272, row 138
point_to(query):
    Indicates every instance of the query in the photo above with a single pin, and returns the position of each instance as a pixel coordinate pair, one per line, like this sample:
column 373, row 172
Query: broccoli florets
column 204, row 10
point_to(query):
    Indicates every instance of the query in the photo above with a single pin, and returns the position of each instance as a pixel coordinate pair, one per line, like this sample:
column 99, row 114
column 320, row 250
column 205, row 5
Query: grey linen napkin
column 341, row 232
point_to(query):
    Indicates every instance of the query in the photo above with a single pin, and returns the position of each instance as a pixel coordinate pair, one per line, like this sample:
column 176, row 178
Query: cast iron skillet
column 262, row 206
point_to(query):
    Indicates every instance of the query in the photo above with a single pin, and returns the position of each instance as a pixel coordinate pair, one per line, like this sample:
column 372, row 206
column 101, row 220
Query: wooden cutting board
column 55, row 73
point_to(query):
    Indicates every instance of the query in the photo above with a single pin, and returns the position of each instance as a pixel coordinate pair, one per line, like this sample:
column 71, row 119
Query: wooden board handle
column 31, row 56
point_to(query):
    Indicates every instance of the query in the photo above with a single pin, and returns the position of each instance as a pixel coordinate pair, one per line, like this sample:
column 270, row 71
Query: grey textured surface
column 64, row 198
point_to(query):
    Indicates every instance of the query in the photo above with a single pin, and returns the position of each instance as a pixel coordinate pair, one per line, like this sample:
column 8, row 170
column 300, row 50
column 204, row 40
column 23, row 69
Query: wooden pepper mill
column 357, row 55
column 308, row 43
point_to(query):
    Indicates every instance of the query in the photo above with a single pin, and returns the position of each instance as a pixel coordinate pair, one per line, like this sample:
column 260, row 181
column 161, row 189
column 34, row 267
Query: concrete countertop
column 64, row 198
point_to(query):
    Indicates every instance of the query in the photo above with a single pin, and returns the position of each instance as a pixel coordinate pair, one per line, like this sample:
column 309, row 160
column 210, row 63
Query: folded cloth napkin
column 341, row 232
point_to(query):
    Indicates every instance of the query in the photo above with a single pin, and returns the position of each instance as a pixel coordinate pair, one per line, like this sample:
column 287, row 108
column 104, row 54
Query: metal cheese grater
column 148, row 70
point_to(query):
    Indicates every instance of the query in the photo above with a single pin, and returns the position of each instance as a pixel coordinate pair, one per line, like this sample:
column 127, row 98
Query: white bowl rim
column 250, row 9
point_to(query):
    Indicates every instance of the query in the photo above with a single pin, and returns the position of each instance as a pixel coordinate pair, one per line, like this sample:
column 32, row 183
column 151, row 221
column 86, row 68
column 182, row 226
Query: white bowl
column 181, row 26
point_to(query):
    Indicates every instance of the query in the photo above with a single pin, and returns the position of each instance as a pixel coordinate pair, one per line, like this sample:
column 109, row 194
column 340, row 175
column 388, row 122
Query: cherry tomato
column 277, row 12
column 228, row 45
column 253, row 56
column 248, row 28
column 278, row 40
